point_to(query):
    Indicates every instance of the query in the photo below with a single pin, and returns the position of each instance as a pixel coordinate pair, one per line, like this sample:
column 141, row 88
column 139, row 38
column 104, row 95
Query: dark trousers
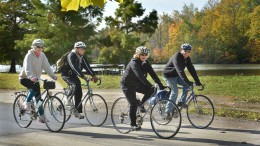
column 74, row 81
column 130, row 93
column 30, row 85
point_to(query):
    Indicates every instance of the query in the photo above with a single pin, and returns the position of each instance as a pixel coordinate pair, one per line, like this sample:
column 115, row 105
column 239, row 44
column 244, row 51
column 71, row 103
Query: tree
column 129, row 10
column 12, row 14
column 125, row 33
column 60, row 30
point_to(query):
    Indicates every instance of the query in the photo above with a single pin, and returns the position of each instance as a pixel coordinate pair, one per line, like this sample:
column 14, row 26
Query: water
column 202, row 69
column 219, row 69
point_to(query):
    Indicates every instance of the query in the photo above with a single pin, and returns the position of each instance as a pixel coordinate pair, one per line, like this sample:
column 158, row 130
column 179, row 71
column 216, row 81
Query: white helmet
column 141, row 50
column 80, row 45
column 38, row 42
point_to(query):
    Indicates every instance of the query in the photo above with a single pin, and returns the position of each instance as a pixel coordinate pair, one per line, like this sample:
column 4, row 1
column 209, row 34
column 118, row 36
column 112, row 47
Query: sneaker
column 181, row 104
column 42, row 119
column 175, row 114
column 27, row 106
column 78, row 115
column 169, row 116
column 135, row 128
column 142, row 109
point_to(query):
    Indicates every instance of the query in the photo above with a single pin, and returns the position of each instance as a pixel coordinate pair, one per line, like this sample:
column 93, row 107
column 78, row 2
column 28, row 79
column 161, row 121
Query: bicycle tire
column 200, row 111
column 54, row 113
column 22, row 118
column 62, row 96
column 95, row 110
column 165, row 126
column 120, row 115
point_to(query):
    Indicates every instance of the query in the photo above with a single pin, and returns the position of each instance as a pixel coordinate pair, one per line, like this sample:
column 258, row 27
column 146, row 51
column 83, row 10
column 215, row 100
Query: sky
column 166, row 6
column 161, row 6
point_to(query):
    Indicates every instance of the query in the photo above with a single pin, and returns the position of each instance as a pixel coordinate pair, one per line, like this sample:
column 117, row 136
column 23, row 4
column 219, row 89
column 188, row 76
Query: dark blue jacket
column 176, row 66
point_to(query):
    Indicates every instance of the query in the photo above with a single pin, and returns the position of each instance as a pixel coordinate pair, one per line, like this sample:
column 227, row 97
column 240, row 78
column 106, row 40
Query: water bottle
column 39, row 104
column 152, row 100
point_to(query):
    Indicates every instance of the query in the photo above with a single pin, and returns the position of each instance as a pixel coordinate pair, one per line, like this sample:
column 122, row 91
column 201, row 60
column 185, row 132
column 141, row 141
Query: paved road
column 223, row 131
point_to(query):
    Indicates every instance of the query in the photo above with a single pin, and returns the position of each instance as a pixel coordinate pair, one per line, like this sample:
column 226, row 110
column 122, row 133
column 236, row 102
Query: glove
column 153, row 88
column 198, row 83
column 190, row 83
column 162, row 87
column 94, row 79
column 55, row 78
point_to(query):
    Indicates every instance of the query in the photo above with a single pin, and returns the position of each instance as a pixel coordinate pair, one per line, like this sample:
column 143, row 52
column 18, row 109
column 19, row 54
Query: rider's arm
column 179, row 65
column 27, row 65
column 47, row 67
column 192, row 71
column 87, row 67
column 136, row 68
column 152, row 73
column 74, row 64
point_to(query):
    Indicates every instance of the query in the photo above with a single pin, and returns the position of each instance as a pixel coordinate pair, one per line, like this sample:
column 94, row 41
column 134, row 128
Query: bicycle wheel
column 54, row 113
column 95, row 109
column 200, row 111
column 68, row 109
column 165, row 124
column 120, row 115
column 22, row 118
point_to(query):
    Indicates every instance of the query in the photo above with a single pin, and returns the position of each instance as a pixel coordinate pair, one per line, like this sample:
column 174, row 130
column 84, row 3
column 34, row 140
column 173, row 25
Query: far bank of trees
column 224, row 31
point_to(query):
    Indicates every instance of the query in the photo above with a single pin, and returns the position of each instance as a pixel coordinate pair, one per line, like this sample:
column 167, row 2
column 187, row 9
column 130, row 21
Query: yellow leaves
column 74, row 5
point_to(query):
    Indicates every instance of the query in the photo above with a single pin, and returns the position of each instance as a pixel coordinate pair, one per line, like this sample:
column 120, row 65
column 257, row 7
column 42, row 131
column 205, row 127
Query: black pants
column 74, row 81
column 130, row 93
column 31, row 85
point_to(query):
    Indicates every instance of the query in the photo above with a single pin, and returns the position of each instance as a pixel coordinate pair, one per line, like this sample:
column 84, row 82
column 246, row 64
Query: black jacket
column 136, row 72
column 176, row 66
column 74, row 65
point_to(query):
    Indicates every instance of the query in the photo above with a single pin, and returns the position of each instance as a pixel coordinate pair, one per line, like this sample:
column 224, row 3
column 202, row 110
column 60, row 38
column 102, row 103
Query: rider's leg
column 185, row 90
column 172, row 83
column 34, row 88
column 130, row 95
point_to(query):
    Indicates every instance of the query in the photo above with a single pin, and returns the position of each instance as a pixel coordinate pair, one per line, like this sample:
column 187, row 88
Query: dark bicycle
column 54, row 111
column 164, row 124
column 95, row 106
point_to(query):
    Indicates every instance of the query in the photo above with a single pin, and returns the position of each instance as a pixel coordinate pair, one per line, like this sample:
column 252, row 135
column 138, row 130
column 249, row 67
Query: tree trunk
column 12, row 68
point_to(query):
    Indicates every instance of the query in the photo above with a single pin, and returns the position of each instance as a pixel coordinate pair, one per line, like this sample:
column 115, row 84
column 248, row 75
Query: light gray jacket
column 33, row 66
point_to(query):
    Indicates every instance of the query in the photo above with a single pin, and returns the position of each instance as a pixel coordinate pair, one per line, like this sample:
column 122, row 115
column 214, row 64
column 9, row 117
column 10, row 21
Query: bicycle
column 164, row 124
column 54, row 111
column 200, row 109
column 95, row 106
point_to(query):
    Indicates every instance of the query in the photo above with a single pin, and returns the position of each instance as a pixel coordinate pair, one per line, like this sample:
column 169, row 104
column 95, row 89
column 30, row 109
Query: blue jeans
column 172, row 83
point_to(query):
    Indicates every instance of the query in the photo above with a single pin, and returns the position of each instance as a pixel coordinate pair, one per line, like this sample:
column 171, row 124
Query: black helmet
column 186, row 46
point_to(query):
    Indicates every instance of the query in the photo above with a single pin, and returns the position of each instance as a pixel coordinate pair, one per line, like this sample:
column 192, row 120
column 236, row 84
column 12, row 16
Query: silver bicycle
column 94, row 107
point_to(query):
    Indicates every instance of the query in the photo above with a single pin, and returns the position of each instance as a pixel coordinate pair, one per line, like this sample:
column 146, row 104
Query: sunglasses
column 144, row 54
column 187, row 51
column 39, row 47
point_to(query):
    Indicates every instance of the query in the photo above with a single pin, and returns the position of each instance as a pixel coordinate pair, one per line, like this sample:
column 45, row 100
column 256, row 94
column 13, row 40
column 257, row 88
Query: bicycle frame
column 88, row 94
column 191, row 96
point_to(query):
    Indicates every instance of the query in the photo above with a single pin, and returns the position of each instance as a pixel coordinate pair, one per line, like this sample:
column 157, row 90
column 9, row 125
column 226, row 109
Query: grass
column 238, row 89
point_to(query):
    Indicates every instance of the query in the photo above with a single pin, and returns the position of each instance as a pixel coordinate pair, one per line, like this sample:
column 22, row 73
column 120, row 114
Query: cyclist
column 74, row 64
column 134, row 80
column 34, row 62
column 174, row 74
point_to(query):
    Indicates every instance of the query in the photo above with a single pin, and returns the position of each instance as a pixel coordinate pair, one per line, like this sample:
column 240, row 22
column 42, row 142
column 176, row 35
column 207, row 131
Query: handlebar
column 91, row 79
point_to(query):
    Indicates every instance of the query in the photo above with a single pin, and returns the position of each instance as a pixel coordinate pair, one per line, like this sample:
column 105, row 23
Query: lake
column 202, row 69
column 220, row 69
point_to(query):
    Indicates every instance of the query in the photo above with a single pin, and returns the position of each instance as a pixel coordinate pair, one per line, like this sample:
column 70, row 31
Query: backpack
column 61, row 62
